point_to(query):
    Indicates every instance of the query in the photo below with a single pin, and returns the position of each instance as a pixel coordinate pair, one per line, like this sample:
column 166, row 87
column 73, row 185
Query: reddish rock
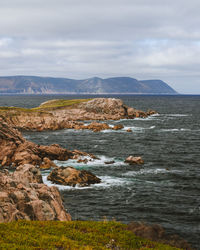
column 47, row 163
column 118, row 127
column 70, row 176
column 96, row 127
column 82, row 161
column 132, row 160
column 129, row 130
column 157, row 233
column 23, row 196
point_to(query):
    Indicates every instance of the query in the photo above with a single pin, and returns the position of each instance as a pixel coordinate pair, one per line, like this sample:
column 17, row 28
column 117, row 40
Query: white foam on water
column 177, row 115
column 134, row 128
column 174, row 130
column 149, row 171
column 91, row 162
column 106, row 182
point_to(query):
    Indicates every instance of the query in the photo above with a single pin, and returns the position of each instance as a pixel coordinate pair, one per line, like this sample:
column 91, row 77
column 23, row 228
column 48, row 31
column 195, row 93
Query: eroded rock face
column 70, row 176
column 132, row 160
column 16, row 150
column 23, row 196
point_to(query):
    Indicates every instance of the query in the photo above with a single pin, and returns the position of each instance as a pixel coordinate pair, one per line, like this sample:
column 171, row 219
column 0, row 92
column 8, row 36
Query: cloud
column 79, row 39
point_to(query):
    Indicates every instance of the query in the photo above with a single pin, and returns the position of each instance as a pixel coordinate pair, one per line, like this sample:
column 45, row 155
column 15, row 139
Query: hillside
column 95, row 85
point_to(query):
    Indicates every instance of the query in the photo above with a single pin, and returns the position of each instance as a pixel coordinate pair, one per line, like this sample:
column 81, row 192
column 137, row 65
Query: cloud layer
column 80, row 39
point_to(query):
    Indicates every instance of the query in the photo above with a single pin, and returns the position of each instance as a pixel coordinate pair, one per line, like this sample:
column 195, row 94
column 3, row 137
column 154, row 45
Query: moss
column 71, row 235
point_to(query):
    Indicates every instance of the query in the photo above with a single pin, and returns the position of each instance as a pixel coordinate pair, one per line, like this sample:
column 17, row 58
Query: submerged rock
column 132, row 160
column 70, row 176
column 23, row 196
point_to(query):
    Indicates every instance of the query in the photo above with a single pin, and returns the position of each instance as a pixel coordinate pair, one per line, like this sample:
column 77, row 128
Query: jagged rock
column 70, row 176
column 129, row 130
column 132, row 160
column 96, row 127
column 157, row 233
column 69, row 117
column 23, row 196
column 118, row 127
column 82, row 161
column 47, row 163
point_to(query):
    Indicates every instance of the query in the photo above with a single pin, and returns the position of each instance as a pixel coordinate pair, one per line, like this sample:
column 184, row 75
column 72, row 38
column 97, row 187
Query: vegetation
column 60, row 103
column 43, row 108
column 71, row 235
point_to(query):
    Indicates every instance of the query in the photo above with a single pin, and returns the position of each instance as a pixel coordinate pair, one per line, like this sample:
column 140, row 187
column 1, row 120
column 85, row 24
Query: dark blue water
column 165, row 190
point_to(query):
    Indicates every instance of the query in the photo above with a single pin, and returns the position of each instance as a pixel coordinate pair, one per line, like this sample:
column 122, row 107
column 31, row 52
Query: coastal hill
column 95, row 85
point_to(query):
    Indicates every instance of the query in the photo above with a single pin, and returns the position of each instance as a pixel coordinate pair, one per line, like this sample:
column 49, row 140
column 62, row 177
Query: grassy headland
column 71, row 235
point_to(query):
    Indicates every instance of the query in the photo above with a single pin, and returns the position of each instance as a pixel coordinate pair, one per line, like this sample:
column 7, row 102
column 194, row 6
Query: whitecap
column 91, row 162
column 106, row 182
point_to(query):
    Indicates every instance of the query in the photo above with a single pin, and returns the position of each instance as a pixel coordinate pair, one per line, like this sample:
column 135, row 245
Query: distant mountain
column 95, row 85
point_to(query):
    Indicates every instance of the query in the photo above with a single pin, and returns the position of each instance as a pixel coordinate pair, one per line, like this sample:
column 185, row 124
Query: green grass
column 61, row 103
column 52, row 104
column 71, row 235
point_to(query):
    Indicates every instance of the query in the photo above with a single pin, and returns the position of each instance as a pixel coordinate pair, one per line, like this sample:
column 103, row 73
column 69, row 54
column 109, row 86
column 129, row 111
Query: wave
column 149, row 172
column 106, row 182
column 174, row 129
column 91, row 162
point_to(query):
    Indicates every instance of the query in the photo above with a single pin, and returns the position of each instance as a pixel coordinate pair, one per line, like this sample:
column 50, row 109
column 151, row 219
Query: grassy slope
column 71, row 235
column 52, row 104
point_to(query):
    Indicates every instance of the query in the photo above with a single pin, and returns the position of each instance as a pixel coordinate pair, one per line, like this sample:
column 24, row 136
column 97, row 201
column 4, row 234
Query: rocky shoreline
column 55, row 114
column 26, row 157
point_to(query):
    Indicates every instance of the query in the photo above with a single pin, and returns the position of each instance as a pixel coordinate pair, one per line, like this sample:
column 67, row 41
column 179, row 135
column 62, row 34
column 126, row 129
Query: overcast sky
column 144, row 39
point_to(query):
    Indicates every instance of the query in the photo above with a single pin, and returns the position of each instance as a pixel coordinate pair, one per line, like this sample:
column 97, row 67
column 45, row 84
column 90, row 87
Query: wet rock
column 118, row 127
column 82, row 161
column 109, row 162
column 132, row 160
column 70, row 176
column 23, row 196
column 157, row 233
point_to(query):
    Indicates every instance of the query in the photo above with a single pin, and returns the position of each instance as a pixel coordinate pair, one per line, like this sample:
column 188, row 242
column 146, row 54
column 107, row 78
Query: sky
column 143, row 39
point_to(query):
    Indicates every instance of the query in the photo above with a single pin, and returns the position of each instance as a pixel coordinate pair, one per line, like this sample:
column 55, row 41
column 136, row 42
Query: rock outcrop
column 70, row 176
column 16, row 150
column 157, row 233
column 132, row 160
column 23, row 196
column 69, row 117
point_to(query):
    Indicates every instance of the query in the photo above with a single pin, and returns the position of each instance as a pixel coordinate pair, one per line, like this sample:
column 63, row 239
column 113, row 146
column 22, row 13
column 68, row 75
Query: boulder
column 118, row 127
column 132, row 160
column 70, row 176
column 23, row 196
column 109, row 162
column 157, row 233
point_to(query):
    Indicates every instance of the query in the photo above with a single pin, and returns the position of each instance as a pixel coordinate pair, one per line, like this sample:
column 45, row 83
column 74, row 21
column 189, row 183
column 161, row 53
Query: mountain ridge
column 53, row 85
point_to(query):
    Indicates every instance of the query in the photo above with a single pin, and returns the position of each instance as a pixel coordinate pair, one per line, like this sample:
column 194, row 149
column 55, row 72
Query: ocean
column 165, row 190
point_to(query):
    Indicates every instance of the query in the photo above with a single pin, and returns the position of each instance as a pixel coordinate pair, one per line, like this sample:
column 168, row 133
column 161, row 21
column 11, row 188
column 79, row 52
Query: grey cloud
column 79, row 39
